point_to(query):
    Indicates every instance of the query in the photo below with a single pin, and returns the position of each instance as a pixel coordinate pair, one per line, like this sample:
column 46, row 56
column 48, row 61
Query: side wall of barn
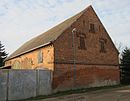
column 95, row 56
column 40, row 58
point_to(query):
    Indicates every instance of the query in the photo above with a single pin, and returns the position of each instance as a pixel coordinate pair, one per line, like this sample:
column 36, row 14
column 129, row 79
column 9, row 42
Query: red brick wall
column 86, row 76
column 63, row 53
column 64, row 50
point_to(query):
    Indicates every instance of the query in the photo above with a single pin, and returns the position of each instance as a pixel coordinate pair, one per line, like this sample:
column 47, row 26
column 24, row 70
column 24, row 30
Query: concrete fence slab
column 45, row 80
column 22, row 84
column 3, row 85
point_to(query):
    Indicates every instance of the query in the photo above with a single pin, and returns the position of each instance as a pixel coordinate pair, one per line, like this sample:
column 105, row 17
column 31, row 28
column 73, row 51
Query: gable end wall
column 93, row 68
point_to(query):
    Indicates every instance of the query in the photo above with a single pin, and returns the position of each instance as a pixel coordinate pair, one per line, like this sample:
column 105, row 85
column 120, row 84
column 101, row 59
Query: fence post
column 37, row 82
column 7, row 89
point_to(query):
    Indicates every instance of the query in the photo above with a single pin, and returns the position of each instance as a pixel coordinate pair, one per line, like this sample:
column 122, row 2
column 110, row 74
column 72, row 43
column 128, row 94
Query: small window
column 82, row 43
column 40, row 57
column 92, row 28
column 82, row 37
column 99, row 28
column 102, row 45
column 84, row 22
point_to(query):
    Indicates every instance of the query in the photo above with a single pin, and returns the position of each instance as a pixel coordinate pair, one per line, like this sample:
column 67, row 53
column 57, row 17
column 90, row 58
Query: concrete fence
column 22, row 84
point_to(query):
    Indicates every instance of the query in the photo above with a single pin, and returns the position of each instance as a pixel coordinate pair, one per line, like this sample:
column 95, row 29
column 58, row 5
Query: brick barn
column 78, row 51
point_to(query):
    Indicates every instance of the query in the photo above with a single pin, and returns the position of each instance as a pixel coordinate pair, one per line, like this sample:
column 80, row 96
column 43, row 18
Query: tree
column 125, row 61
column 125, row 66
column 120, row 47
column 3, row 54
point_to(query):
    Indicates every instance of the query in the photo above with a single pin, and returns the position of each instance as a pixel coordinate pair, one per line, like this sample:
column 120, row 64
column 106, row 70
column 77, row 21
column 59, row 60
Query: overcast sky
column 21, row 20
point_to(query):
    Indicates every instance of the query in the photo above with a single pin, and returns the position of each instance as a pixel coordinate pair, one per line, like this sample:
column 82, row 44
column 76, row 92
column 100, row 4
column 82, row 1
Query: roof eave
column 46, row 44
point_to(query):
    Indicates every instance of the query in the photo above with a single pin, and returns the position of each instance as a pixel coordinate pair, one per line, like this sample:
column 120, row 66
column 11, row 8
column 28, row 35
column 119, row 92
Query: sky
column 21, row 20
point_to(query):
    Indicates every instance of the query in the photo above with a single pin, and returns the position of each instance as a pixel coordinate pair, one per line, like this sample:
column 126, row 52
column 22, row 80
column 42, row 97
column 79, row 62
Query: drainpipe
column 74, row 53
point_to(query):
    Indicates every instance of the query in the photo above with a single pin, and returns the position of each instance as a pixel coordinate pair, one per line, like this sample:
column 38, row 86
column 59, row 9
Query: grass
column 68, row 92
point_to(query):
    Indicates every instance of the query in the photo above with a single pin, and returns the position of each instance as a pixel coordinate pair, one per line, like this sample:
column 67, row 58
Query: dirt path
column 120, row 94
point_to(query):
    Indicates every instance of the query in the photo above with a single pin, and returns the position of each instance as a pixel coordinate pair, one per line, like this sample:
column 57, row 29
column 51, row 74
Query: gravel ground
column 115, row 94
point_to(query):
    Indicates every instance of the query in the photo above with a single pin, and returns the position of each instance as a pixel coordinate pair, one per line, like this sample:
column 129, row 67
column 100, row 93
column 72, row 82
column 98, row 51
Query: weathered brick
column 91, row 65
